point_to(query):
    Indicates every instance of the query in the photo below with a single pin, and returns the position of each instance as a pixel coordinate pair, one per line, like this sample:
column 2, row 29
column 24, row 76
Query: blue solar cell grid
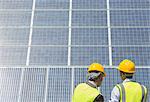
column 9, row 84
column 87, row 55
column 50, row 36
column 51, row 18
column 89, row 36
column 89, row 18
column 49, row 56
column 33, row 85
column 16, row 4
column 13, row 55
column 140, row 55
column 11, row 36
column 58, row 37
column 15, row 18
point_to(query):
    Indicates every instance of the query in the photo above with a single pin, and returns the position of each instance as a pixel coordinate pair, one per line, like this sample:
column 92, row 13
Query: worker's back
column 85, row 93
column 131, row 92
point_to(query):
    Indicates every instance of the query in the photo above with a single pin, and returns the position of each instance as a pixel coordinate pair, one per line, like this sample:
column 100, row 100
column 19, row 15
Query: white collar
column 127, row 80
column 93, row 83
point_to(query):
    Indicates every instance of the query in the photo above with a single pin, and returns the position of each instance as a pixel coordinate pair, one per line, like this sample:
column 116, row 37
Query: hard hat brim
column 125, row 71
column 104, row 74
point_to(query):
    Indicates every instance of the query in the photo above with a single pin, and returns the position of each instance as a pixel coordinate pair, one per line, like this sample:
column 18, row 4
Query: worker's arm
column 99, row 98
column 115, row 95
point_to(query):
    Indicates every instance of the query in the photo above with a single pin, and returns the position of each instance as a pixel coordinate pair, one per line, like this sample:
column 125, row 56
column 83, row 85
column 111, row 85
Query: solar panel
column 59, row 38
column 16, row 4
column 10, row 83
column 13, row 55
column 130, row 36
column 52, row 4
column 89, row 18
column 89, row 36
column 50, row 36
column 140, row 55
column 48, row 56
column 130, row 18
column 59, row 85
column 129, row 4
column 89, row 4
column 15, row 18
column 51, row 18
column 33, row 87
column 14, row 36
column 87, row 55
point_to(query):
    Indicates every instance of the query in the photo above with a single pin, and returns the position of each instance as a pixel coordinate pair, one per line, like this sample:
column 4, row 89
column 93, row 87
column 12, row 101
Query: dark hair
column 130, row 77
column 95, row 71
column 91, row 79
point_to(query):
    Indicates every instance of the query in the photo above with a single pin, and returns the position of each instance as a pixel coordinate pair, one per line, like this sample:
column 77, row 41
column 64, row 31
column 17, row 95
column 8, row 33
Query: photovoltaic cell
column 9, row 84
column 112, row 78
column 33, row 88
column 16, row 4
column 120, row 4
column 80, row 76
column 52, row 4
column 130, row 36
column 89, row 18
column 89, row 4
column 143, row 78
column 140, row 55
column 130, row 18
column 88, row 55
column 15, row 18
column 50, row 36
column 13, row 56
column 49, row 56
column 51, row 18
column 14, row 36
column 89, row 36
column 59, row 85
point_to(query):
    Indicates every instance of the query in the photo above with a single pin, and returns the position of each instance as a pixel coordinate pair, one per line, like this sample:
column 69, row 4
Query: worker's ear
column 123, row 75
column 101, row 77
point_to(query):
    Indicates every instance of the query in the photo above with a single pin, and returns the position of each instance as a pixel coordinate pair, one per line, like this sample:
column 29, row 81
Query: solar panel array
column 46, row 45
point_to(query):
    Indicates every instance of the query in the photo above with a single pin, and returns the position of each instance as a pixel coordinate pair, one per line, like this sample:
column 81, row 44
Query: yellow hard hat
column 127, row 66
column 96, row 67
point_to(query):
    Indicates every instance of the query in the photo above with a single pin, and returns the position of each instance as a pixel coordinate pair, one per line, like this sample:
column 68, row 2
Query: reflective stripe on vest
column 122, row 92
column 141, row 91
column 144, row 93
column 85, row 93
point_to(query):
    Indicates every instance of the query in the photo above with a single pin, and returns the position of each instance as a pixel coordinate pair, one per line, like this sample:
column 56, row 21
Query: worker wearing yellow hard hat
column 88, row 91
column 128, row 90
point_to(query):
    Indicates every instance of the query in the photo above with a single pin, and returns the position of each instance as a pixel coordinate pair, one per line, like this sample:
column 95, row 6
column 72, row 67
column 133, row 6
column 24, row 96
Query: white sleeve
column 115, row 95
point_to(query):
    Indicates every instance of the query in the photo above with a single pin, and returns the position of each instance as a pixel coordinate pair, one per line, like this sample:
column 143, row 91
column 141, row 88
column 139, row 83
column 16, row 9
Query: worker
column 129, row 90
column 88, row 91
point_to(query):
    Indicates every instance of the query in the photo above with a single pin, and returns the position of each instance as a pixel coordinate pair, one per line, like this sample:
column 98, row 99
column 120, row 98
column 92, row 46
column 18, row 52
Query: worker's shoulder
column 141, row 84
column 144, row 86
column 81, row 84
column 118, row 84
column 136, row 83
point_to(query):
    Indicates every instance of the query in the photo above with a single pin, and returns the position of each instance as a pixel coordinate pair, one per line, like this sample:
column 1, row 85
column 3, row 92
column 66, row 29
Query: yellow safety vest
column 132, row 92
column 84, row 93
